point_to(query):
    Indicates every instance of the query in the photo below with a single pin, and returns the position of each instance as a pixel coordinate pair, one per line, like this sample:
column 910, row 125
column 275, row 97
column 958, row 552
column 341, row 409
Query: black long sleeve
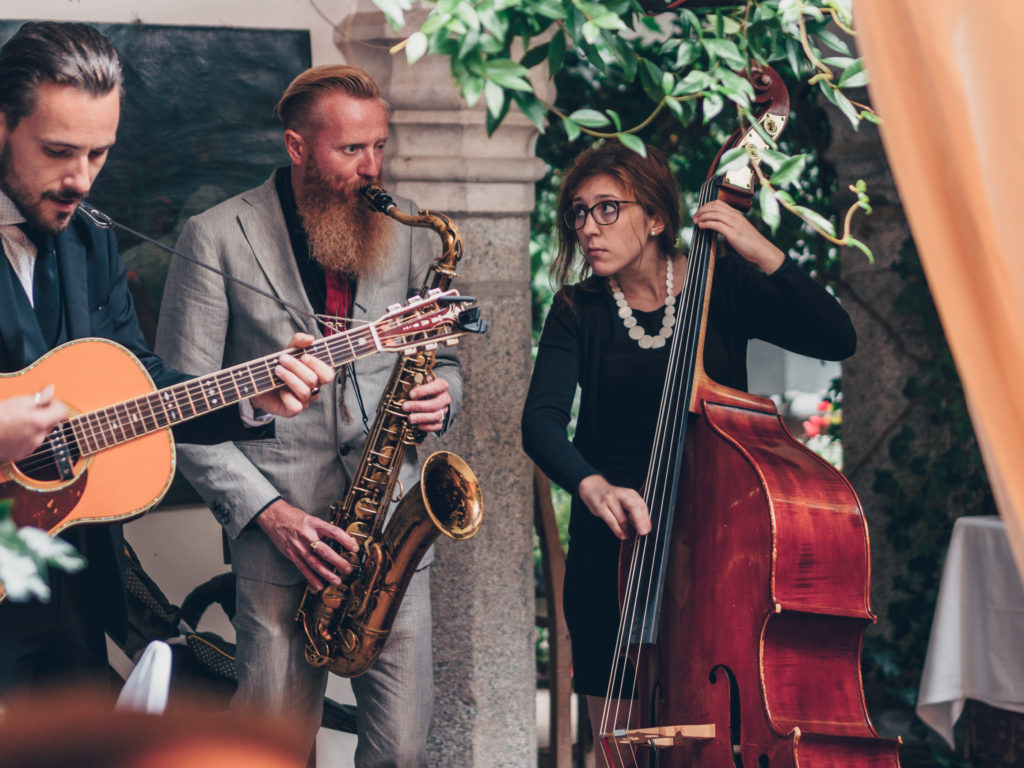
column 787, row 308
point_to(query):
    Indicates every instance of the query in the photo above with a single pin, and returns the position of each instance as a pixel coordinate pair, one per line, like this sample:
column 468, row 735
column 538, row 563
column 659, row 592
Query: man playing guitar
column 62, row 279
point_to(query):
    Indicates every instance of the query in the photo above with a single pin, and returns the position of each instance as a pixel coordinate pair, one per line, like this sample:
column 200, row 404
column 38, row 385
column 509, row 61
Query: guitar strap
column 103, row 221
column 327, row 322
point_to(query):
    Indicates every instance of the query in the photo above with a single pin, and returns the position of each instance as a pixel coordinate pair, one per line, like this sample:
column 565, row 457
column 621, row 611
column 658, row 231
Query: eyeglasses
column 605, row 212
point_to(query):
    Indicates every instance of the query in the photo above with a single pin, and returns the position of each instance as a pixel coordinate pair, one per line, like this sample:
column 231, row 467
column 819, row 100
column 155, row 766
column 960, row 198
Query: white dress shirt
column 21, row 251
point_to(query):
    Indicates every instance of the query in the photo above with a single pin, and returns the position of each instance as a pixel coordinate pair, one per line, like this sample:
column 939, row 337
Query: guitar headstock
column 424, row 322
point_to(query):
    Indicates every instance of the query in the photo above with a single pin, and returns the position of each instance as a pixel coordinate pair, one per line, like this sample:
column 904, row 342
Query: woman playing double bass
column 609, row 332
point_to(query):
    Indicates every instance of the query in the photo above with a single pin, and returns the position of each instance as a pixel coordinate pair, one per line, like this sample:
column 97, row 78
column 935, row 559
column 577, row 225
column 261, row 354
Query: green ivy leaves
column 492, row 46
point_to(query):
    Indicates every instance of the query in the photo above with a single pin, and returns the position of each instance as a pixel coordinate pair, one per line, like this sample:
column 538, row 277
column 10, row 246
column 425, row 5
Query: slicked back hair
column 299, row 100
column 63, row 53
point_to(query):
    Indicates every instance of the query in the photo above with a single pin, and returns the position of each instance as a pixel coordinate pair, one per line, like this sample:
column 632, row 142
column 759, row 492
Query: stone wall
column 482, row 589
column 872, row 381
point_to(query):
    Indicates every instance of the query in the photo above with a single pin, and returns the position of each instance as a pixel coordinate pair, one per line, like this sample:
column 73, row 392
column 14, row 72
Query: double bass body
column 765, row 587
column 766, row 601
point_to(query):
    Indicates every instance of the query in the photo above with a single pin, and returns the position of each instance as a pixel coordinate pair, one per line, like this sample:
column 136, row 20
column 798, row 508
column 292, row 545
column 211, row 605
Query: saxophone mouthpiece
column 378, row 198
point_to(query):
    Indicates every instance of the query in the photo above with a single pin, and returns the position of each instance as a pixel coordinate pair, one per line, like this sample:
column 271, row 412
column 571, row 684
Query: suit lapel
column 368, row 303
column 263, row 227
column 10, row 328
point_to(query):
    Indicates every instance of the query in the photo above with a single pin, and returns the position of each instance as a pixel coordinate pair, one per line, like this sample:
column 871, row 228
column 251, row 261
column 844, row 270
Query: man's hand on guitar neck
column 302, row 539
column 303, row 376
column 26, row 420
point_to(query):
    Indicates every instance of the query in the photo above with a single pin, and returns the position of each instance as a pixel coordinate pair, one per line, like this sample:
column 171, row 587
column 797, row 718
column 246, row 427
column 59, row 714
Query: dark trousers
column 60, row 641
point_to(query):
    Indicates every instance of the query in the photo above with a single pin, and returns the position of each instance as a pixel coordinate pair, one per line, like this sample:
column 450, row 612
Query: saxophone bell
column 447, row 500
column 451, row 495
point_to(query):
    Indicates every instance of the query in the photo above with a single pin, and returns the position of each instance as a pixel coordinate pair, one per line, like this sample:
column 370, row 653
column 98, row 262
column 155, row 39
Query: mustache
column 350, row 192
column 65, row 196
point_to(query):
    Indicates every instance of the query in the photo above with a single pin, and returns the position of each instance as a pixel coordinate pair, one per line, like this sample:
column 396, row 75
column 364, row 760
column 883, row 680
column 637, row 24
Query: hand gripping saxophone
column 346, row 626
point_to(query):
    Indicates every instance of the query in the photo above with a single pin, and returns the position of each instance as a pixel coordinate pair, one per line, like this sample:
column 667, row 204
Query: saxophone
column 346, row 625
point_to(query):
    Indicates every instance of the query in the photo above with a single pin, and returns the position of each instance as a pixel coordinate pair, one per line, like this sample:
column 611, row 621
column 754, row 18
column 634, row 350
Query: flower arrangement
column 822, row 431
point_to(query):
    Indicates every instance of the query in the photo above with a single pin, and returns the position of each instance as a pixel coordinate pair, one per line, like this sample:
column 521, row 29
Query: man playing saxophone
column 307, row 236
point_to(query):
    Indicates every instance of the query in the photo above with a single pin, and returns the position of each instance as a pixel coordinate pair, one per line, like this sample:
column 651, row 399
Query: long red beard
column 344, row 235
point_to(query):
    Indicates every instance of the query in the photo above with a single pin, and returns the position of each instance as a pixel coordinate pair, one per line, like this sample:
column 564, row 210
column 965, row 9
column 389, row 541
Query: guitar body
column 115, row 484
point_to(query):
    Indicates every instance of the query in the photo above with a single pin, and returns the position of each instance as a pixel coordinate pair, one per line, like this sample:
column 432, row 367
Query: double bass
column 743, row 610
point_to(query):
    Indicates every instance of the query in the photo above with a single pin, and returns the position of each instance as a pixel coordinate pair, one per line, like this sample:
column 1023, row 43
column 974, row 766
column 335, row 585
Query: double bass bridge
column 660, row 736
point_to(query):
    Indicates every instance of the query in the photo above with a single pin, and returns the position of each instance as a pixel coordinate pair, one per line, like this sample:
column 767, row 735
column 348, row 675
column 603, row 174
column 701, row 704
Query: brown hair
column 300, row 97
column 64, row 53
column 648, row 179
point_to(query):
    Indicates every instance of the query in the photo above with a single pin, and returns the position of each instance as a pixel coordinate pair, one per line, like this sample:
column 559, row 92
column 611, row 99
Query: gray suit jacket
column 208, row 323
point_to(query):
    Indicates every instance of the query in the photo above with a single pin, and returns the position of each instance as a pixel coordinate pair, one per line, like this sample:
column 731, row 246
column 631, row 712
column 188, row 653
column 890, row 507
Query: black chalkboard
column 197, row 126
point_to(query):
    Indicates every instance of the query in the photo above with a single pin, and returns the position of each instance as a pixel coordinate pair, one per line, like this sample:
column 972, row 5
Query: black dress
column 585, row 344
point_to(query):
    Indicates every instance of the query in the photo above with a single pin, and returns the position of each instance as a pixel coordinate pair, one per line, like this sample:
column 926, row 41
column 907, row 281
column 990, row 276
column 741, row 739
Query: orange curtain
column 944, row 81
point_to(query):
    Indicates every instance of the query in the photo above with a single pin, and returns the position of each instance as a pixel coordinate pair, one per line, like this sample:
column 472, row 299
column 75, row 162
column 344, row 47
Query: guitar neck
column 98, row 430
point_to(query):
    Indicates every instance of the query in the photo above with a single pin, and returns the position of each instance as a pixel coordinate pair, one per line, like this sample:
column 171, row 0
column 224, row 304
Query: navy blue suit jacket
column 97, row 303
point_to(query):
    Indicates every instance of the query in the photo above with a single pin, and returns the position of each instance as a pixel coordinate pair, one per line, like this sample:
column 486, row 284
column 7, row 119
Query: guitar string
column 675, row 402
column 105, row 221
column 669, row 432
column 91, row 426
column 644, row 554
column 158, row 404
column 330, row 345
column 657, row 465
column 668, row 463
column 615, row 692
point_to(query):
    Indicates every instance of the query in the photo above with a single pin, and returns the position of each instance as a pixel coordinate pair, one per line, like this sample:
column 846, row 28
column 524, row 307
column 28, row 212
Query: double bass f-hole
column 735, row 711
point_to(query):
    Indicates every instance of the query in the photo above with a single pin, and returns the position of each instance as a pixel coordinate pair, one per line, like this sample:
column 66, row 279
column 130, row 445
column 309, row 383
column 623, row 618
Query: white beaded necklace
column 635, row 331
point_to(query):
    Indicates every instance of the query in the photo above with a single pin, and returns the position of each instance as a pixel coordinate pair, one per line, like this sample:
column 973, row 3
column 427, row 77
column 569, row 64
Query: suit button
column 345, row 450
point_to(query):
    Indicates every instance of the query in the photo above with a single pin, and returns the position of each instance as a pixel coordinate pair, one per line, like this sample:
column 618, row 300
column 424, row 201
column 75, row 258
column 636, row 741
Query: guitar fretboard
column 98, row 430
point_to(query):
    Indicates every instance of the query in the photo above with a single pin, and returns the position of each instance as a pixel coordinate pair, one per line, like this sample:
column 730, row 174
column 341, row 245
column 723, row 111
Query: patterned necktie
column 45, row 284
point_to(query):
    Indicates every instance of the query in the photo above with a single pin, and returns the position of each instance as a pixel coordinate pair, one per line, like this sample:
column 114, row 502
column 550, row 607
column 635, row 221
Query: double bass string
column 663, row 468
column 640, row 613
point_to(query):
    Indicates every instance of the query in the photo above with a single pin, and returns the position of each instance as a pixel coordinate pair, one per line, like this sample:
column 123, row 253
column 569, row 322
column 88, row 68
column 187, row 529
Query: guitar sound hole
column 54, row 460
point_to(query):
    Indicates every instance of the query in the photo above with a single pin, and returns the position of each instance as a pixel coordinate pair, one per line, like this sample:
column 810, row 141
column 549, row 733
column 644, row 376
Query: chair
column 560, row 752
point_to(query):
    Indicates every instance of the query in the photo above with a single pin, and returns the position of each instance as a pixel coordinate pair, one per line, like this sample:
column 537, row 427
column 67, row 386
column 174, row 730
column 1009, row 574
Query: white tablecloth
column 976, row 649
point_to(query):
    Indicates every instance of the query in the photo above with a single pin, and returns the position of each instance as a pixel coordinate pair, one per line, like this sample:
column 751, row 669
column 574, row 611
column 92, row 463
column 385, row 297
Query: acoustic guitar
column 114, row 458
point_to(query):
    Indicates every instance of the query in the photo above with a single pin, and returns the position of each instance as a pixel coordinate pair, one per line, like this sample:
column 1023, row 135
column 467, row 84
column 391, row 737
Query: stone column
column 483, row 590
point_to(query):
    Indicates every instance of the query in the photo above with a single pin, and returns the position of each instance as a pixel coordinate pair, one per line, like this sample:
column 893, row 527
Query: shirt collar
column 9, row 213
